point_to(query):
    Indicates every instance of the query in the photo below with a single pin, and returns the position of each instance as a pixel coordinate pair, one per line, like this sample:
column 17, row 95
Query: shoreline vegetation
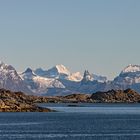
column 20, row 102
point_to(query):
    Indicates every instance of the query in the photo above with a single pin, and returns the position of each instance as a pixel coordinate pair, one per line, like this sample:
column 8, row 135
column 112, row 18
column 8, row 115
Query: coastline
column 20, row 102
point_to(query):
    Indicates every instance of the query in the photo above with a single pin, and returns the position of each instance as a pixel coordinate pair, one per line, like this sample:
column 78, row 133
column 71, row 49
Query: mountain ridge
column 59, row 80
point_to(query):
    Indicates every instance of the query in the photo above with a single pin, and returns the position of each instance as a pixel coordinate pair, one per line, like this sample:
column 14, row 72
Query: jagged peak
column 87, row 76
column 86, row 73
column 6, row 66
column 28, row 73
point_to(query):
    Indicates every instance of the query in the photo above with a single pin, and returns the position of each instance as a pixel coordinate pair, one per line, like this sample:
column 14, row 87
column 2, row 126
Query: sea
column 74, row 122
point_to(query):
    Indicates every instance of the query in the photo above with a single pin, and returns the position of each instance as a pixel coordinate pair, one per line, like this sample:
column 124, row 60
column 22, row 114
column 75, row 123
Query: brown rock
column 115, row 96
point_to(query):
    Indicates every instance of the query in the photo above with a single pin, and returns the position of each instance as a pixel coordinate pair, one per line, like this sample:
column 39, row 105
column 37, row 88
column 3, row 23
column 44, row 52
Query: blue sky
column 102, row 36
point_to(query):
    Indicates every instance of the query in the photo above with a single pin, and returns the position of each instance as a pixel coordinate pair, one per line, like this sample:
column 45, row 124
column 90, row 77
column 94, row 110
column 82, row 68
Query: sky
column 102, row 36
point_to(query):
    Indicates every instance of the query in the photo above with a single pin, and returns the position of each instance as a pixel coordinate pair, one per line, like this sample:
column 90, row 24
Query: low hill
column 18, row 102
column 116, row 96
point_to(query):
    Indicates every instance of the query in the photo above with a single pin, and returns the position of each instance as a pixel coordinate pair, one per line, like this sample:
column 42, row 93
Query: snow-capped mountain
column 40, row 81
column 89, row 83
column 64, row 76
column 9, row 79
column 128, row 78
column 73, row 82
column 59, row 72
column 60, row 81
column 39, row 85
column 92, row 83
column 131, row 69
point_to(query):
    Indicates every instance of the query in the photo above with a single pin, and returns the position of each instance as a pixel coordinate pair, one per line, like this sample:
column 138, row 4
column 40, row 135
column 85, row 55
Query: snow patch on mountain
column 75, row 77
column 131, row 68
column 38, row 84
column 62, row 69
column 128, row 78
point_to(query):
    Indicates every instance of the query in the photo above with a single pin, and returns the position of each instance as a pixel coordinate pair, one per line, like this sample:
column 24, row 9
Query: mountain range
column 60, row 81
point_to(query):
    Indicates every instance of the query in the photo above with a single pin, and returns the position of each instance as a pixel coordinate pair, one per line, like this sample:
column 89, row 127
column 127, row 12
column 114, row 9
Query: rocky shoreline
column 20, row 102
column 111, row 96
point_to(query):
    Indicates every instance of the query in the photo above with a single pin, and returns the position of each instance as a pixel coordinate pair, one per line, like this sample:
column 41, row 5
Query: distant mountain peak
column 131, row 68
column 87, row 76
column 93, row 77
column 28, row 70
column 62, row 69
column 6, row 67
column 86, row 73
column 28, row 73
column 9, row 79
column 57, row 72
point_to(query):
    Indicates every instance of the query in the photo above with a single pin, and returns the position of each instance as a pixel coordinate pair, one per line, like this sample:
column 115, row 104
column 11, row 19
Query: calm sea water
column 84, row 122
